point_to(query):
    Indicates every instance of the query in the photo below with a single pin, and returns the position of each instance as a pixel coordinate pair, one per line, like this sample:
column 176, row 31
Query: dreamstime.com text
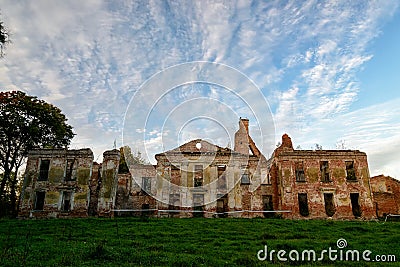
column 333, row 254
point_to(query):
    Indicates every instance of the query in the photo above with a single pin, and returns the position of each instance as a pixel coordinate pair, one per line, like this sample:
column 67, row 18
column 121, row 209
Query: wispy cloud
column 90, row 57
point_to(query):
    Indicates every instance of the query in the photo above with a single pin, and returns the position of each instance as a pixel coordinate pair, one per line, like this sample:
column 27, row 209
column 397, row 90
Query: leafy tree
column 26, row 122
column 4, row 38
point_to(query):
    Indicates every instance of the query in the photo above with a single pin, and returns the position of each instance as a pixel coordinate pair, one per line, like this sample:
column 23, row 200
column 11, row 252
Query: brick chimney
column 242, row 137
column 286, row 145
column 287, row 141
column 244, row 123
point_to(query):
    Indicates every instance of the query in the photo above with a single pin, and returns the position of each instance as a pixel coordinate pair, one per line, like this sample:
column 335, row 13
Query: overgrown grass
column 185, row 242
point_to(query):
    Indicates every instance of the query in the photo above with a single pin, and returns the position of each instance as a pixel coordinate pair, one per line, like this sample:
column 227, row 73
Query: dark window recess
column 44, row 170
column 268, row 206
column 222, row 206
column 145, row 210
column 66, row 201
column 146, row 185
column 299, row 169
column 355, row 205
column 71, row 170
column 268, row 179
column 324, row 168
column 198, row 205
column 245, row 179
column 39, row 200
column 303, row 204
column 329, row 205
column 221, row 177
column 198, row 175
column 350, row 171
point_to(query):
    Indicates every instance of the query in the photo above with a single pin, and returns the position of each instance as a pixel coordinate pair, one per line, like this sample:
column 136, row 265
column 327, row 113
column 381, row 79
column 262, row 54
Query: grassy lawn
column 187, row 242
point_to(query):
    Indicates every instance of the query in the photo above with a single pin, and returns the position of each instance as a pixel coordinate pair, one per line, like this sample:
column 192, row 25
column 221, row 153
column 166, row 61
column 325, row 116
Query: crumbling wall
column 61, row 189
column 386, row 191
column 323, row 176
column 109, row 182
column 94, row 186
column 219, row 170
column 132, row 199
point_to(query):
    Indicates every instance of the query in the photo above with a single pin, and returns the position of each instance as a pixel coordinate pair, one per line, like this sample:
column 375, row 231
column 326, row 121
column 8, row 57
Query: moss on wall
column 27, row 195
column 364, row 176
column 207, row 176
column 108, row 182
column 52, row 197
column 312, row 174
column 80, row 198
column 190, row 179
column 344, row 201
column 286, row 174
column 56, row 174
column 339, row 174
column 83, row 175
column 29, row 177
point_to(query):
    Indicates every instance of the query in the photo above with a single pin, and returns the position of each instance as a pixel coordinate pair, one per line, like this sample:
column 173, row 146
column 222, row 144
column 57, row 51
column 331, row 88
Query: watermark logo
column 332, row 254
column 341, row 243
column 187, row 102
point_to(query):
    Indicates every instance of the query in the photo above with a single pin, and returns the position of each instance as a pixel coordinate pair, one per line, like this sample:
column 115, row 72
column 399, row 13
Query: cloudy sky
column 327, row 72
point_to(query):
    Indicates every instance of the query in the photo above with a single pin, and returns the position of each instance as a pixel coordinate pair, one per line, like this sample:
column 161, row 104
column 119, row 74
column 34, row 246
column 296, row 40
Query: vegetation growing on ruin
column 184, row 242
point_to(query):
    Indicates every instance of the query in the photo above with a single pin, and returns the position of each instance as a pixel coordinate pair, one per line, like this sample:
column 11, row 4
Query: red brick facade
column 202, row 179
column 386, row 192
column 330, row 183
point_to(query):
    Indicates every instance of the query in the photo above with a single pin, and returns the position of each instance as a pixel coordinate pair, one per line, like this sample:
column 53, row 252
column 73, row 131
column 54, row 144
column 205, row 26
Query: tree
column 318, row 147
column 341, row 145
column 26, row 123
column 4, row 38
column 131, row 158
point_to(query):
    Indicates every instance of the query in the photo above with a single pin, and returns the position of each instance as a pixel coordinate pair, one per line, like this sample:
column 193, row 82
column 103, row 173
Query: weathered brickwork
column 202, row 179
column 132, row 197
column 205, row 175
column 108, row 183
column 330, row 183
column 67, row 183
column 386, row 192
column 56, row 183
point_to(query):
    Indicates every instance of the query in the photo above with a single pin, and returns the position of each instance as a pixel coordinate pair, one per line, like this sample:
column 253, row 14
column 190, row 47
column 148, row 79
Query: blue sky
column 328, row 70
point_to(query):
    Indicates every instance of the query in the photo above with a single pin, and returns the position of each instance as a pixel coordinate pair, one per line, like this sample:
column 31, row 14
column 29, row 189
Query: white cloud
column 90, row 57
column 374, row 130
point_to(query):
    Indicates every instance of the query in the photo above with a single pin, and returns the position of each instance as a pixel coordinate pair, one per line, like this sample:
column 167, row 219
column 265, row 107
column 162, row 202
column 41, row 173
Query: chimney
column 244, row 123
column 242, row 137
column 287, row 141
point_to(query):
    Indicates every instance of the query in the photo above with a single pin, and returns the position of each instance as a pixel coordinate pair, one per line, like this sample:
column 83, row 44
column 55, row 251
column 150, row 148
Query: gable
column 199, row 146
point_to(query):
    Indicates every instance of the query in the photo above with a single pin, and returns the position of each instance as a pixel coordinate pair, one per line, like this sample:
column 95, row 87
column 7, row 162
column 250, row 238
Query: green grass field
column 187, row 242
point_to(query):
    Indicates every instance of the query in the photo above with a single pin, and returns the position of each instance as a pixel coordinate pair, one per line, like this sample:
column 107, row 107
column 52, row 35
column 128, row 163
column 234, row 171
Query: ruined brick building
column 202, row 179
column 386, row 195
column 67, row 183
